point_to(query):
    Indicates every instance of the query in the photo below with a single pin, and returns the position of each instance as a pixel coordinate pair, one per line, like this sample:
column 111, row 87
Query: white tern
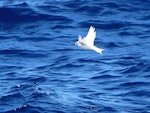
column 88, row 41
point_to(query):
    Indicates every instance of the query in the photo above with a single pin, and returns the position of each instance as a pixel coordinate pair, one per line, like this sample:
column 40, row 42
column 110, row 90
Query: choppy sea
column 43, row 71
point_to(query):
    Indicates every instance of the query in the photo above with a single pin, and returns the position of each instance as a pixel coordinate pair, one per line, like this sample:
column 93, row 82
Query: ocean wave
column 22, row 53
column 43, row 71
column 17, row 15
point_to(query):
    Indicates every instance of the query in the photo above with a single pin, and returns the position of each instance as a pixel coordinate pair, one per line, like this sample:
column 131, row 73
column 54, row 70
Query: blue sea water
column 42, row 71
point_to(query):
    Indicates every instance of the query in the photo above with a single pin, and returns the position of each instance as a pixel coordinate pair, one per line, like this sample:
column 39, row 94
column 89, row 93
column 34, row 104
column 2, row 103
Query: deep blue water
column 42, row 71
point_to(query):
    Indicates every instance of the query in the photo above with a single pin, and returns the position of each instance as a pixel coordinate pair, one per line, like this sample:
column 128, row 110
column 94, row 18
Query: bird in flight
column 88, row 41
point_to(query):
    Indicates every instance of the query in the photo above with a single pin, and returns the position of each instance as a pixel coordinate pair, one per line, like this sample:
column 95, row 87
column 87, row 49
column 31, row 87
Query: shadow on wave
column 17, row 15
column 23, row 53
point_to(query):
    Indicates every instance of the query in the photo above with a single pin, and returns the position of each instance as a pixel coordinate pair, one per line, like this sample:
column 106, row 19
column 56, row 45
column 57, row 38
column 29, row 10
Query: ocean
column 43, row 71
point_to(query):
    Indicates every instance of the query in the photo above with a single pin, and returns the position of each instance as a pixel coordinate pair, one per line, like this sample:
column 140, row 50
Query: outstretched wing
column 91, row 35
column 79, row 38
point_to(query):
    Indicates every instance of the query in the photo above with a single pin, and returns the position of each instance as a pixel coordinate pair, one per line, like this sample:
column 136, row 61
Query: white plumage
column 88, row 41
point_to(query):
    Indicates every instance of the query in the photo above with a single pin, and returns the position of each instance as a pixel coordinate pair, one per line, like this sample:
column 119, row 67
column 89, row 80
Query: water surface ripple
column 42, row 71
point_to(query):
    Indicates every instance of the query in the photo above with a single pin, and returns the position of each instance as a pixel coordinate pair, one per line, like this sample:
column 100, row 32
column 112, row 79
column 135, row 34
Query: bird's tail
column 98, row 50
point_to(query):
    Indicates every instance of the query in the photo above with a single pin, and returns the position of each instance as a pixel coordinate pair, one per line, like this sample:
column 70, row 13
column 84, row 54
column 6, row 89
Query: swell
column 17, row 15
column 104, row 26
column 22, row 53
column 43, row 71
column 21, row 98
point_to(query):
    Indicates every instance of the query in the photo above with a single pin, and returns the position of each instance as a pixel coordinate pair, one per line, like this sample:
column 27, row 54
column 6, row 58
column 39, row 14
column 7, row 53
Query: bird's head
column 77, row 43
